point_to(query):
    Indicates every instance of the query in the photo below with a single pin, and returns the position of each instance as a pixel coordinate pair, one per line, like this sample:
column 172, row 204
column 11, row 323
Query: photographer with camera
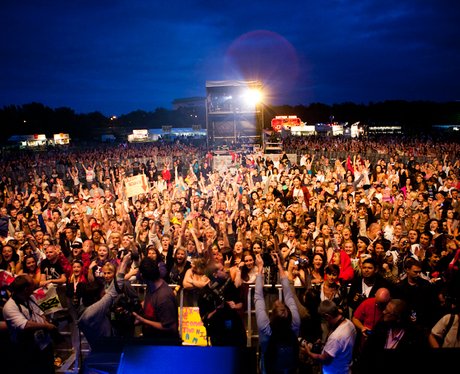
column 277, row 334
column 220, row 306
column 298, row 271
column 30, row 331
column 337, row 354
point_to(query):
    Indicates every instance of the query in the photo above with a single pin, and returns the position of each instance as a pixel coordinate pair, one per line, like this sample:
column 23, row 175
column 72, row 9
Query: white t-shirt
column 17, row 315
column 450, row 340
column 339, row 346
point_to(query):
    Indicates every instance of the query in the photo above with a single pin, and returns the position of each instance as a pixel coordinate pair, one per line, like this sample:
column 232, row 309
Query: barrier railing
column 73, row 362
column 250, row 312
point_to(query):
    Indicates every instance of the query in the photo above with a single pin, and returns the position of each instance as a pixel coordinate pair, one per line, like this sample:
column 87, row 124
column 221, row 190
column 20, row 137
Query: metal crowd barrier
column 77, row 350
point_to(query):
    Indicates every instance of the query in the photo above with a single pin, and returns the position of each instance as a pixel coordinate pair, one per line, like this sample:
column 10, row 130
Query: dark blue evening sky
column 117, row 56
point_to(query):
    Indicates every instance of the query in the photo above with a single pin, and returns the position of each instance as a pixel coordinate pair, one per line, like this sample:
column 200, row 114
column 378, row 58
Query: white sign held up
column 136, row 185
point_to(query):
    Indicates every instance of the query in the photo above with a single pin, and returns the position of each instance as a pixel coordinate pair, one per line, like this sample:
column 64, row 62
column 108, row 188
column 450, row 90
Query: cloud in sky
column 118, row 56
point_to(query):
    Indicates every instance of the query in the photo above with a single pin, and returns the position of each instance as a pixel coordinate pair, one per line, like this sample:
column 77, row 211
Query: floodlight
column 252, row 96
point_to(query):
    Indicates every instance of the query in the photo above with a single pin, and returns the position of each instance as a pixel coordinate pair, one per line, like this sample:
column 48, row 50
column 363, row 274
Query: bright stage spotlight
column 252, row 96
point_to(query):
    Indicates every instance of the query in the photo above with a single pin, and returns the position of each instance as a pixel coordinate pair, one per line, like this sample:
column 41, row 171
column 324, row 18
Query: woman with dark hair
column 247, row 270
column 315, row 270
column 277, row 334
column 241, row 221
column 266, row 229
column 331, row 289
column 289, row 217
column 30, row 267
column 177, row 266
column 257, row 247
column 76, row 285
column 254, row 197
column 8, row 259
column 451, row 223
column 299, row 193
column 245, row 202
column 154, row 254
column 433, row 227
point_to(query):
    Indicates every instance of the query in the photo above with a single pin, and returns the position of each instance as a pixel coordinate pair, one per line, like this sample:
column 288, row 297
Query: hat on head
column 69, row 200
column 77, row 261
column 364, row 239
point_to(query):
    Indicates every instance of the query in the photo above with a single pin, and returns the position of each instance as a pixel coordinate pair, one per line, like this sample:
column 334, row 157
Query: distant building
column 61, row 139
column 166, row 132
column 39, row 140
column 384, row 129
column 29, row 141
column 285, row 122
column 446, row 128
column 139, row 136
column 354, row 130
column 303, row 130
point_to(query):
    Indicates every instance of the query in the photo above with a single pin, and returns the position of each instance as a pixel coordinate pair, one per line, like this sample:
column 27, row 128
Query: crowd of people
column 366, row 248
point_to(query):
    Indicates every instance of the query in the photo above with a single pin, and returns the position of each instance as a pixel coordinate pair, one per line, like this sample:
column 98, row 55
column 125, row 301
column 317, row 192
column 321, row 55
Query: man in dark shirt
column 51, row 268
column 419, row 295
column 160, row 310
column 366, row 285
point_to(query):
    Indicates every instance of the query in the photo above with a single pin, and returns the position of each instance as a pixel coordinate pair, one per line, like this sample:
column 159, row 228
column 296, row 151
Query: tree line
column 36, row 118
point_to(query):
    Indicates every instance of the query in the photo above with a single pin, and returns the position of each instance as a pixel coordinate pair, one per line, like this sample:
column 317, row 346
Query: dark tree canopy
column 36, row 118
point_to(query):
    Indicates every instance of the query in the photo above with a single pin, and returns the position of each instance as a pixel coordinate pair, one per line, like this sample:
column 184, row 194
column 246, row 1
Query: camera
column 316, row 348
column 212, row 296
column 123, row 308
column 301, row 261
column 359, row 298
